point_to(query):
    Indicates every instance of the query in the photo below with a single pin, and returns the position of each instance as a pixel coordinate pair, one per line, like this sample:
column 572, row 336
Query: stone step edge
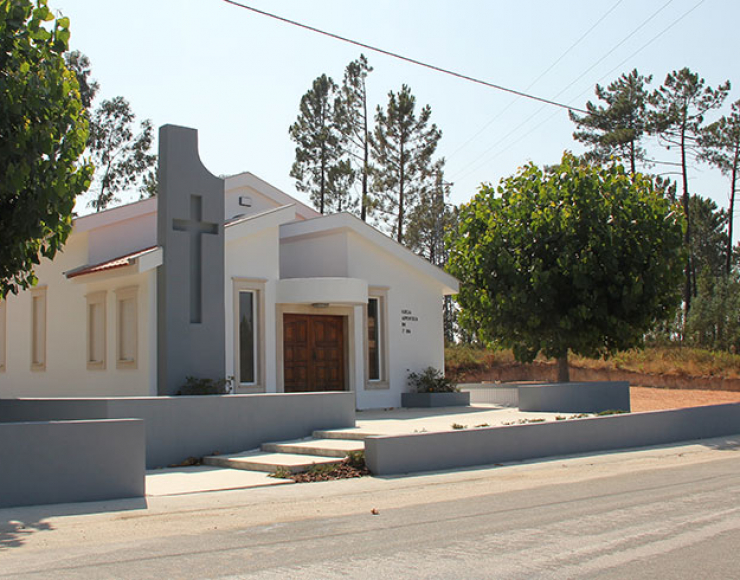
column 249, row 464
column 339, row 434
column 305, row 450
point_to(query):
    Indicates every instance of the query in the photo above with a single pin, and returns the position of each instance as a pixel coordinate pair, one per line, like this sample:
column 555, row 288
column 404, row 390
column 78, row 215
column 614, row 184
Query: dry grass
column 681, row 361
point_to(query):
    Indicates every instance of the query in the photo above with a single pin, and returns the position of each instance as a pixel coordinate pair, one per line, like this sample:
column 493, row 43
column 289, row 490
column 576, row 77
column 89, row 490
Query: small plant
column 579, row 416
column 196, row 386
column 458, row 426
column 431, row 380
column 483, row 425
column 356, row 459
column 559, row 418
column 610, row 412
column 281, row 473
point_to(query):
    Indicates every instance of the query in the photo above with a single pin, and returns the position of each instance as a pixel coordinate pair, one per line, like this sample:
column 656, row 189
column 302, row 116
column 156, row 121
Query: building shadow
column 17, row 524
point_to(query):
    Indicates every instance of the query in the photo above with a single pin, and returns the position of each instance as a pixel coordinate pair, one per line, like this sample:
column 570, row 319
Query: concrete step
column 320, row 447
column 269, row 462
column 352, row 433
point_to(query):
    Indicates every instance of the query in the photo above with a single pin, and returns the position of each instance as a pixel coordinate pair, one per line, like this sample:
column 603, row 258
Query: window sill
column 377, row 385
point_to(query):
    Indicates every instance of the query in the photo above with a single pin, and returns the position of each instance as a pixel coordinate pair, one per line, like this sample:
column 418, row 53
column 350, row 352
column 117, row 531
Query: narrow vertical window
column 127, row 331
column 373, row 339
column 38, row 329
column 3, row 339
column 247, row 337
column 96, row 330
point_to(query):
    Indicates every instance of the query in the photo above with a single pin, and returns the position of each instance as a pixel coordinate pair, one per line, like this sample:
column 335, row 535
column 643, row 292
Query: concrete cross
column 196, row 227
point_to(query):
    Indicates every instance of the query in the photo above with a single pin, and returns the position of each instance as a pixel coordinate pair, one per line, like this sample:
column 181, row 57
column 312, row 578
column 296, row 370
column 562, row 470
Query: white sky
column 238, row 77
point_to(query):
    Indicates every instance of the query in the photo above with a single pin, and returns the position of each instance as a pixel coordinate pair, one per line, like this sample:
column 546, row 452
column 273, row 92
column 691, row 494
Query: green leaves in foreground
column 578, row 257
column 44, row 131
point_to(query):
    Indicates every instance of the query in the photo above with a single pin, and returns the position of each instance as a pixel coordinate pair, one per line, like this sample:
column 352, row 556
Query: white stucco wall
column 324, row 255
column 66, row 373
column 122, row 238
column 254, row 257
column 349, row 254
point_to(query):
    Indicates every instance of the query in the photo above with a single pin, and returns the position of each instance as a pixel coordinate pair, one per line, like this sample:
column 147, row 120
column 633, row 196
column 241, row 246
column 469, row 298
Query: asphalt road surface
column 673, row 520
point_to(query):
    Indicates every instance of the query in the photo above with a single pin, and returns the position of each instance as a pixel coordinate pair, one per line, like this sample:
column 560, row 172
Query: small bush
column 356, row 459
column 195, row 386
column 431, row 380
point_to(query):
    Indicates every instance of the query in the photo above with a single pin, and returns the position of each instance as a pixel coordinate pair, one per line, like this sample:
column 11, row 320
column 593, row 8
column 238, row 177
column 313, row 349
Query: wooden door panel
column 313, row 352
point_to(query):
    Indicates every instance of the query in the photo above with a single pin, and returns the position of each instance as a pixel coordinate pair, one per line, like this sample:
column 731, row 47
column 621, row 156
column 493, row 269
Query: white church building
column 220, row 278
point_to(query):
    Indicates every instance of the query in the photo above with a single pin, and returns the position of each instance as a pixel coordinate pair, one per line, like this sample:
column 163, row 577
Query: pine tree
column 354, row 124
column 679, row 108
column 431, row 219
column 615, row 130
column 721, row 147
column 319, row 144
column 402, row 149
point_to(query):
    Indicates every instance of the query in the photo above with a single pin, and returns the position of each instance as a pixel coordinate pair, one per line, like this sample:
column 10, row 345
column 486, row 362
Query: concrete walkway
column 204, row 478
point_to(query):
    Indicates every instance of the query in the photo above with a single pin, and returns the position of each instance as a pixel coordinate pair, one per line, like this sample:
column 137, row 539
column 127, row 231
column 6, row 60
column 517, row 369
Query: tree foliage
column 677, row 117
column 403, row 149
column 616, row 128
column 319, row 145
column 44, row 131
column 582, row 258
column 79, row 64
column 120, row 152
column 720, row 143
column 354, row 124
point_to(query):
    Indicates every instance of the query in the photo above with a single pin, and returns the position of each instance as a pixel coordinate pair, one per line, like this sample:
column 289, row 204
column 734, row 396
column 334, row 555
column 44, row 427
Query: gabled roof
column 346, row 221
column 248, row 179
column 145, row 259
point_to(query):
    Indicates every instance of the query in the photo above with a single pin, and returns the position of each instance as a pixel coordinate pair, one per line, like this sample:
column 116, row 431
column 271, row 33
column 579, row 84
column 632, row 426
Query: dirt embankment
column 538, row 371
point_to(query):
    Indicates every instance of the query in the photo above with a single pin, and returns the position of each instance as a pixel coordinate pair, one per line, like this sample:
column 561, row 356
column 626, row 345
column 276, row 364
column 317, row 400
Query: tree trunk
column 365, row 159
column 563, row 369
column 731, row 212
column 687, row 235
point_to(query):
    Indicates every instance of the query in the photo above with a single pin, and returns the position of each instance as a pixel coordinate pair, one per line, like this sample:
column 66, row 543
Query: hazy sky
column 238, row 77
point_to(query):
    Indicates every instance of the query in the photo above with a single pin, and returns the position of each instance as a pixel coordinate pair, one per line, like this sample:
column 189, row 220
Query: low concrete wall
column 591, row 397
column 71, row 461
column 491, row 394
column 182, row 427
column 448, row 450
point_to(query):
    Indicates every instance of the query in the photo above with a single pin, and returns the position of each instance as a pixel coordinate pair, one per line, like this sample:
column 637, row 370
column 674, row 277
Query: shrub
column 431, row 380
column 196, row 386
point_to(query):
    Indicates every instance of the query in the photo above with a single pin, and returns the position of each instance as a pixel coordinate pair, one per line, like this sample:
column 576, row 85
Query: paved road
column 674, row 520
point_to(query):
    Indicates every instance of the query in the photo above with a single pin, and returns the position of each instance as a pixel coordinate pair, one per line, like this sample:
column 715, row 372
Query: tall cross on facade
column 196, row 227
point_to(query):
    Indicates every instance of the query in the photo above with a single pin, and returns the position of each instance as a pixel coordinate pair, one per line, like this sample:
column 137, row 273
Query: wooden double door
column 313, row 353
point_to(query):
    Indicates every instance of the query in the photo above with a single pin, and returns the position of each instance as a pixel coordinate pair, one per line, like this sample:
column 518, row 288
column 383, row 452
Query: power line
column 537, row 112
column 644, row 46
column 535, row 81
column 406, row 58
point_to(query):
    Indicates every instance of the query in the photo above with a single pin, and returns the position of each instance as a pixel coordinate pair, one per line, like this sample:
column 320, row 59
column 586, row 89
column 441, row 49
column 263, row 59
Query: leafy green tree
column 679, row 106
column 319, row 144
column 354, row 124
column 403, row 147
column 584, row 258
column 44, row 131
column 720, row 143
column 121, row 155
column 79, row 64
column 616, row 128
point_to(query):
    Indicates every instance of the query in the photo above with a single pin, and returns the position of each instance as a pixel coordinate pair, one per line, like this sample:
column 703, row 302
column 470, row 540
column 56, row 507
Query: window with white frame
column 249, row 320
column 3, row 340
column 38, row 329
column 127, row 343
column 376, row 339
column 96, row 330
